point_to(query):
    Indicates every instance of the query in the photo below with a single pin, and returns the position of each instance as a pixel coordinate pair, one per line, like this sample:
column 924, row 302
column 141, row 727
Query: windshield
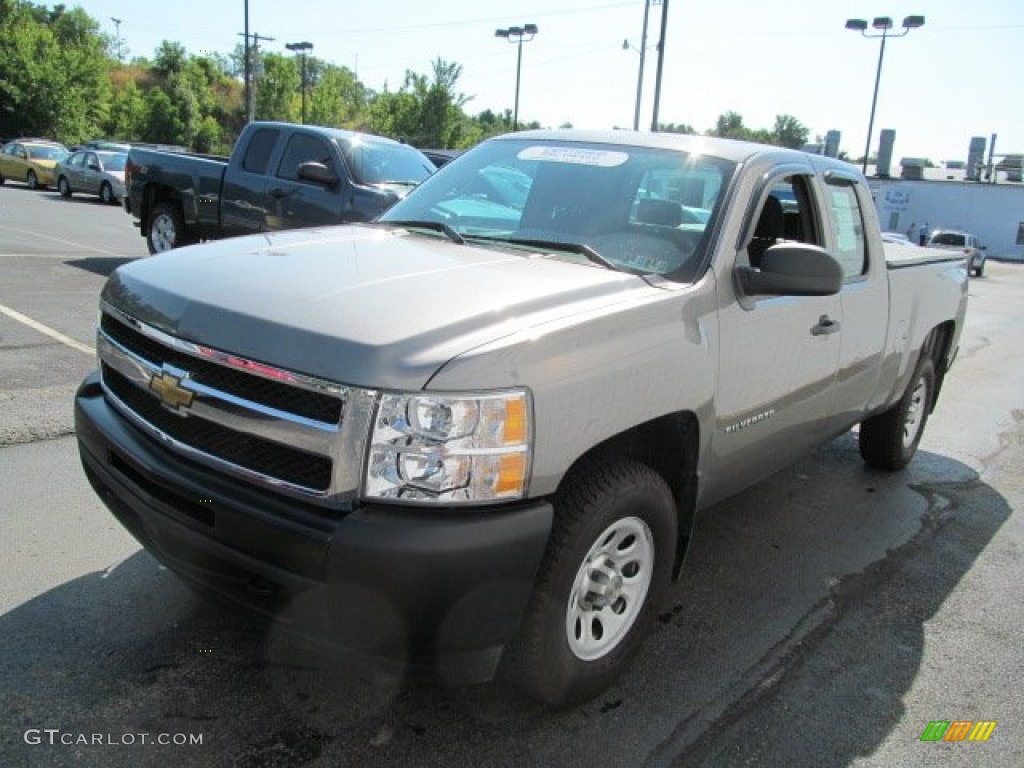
column 639, row 209
column 379, row 162
column 948, row 238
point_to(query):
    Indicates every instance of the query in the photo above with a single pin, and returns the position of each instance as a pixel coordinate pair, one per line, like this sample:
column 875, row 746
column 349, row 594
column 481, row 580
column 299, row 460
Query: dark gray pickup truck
column 279, row 176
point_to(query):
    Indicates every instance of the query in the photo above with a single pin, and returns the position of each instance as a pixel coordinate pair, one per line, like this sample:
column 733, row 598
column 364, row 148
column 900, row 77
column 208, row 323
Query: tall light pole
column 117, row 26
column 517, row 35
column 884, row 23
column 302, row 48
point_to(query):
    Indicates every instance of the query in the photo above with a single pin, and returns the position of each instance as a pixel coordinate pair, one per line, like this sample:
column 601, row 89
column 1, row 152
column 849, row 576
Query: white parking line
column 57, row 335
column 60, row 240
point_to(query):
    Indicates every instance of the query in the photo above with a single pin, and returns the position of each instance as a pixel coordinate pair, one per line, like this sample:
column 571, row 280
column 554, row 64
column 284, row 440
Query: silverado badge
column 171, row 393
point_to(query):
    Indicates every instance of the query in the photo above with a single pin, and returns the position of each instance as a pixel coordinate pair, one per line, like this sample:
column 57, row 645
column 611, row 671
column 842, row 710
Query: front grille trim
column 340, row 445
column 110, row 387
column 322, row 401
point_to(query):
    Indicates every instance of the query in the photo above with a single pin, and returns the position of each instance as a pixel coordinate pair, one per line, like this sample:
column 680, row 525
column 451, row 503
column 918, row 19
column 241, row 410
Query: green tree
column 337, row 99
column 730, row 126
column 53, row 72
column 277, row 90
column 789, row 132
column 162, row 123
column 127, row 112
column 210, row 137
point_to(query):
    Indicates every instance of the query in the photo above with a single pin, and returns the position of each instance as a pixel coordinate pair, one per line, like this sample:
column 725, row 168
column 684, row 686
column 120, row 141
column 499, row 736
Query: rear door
column 245, row 183
column 864, row 298
column 89, row 174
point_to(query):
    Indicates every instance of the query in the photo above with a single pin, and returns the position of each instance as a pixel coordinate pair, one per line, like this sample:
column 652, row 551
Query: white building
column 943, row 200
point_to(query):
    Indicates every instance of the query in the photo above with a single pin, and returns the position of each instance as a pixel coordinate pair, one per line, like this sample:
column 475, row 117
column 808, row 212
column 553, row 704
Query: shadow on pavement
column 803, row 602
column 99, row 265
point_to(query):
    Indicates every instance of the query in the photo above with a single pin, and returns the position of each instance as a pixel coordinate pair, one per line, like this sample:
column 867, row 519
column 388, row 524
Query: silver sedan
column 95, row 172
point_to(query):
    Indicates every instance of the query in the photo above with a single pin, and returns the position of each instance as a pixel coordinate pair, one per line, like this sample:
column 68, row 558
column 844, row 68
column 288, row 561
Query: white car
column 952, row 240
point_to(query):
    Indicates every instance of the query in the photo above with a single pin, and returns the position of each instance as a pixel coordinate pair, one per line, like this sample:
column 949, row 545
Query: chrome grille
column 296, row 434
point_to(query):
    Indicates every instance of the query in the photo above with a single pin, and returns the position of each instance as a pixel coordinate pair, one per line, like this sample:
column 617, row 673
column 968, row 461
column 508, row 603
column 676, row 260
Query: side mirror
column 793, row 269
column 318, row 173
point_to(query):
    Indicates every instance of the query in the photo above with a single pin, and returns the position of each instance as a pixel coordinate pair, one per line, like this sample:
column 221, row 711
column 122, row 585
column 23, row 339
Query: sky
column 958, row 76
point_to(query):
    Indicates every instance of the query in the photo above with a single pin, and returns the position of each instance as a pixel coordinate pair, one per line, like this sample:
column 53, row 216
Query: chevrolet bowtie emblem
column 171, row 393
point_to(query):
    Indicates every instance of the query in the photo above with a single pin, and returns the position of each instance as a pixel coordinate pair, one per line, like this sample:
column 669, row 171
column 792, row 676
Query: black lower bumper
column 439, row 590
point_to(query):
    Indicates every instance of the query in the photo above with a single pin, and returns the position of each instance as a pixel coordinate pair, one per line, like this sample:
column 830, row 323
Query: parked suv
column 950, row 240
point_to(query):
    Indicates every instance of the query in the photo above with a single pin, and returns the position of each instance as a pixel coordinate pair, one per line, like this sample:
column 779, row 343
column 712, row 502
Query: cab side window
column 257, row 154
column 851, row 247
column 303, row 148
column 787, row 214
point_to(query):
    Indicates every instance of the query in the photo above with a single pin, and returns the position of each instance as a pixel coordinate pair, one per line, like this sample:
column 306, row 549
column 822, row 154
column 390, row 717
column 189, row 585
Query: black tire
column 980, row 270
column 32, row 180
column 166, row 228
column 107, row 194
column 63, row 187
column 889, row 440
column 614, row 532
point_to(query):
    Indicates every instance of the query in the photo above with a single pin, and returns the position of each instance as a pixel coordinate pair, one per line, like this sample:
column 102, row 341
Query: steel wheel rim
column 164, row 233
column 610, row 588
column 915, row 413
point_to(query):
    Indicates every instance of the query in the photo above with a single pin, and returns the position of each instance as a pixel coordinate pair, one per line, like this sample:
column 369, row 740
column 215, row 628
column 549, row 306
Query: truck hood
column 358, row 305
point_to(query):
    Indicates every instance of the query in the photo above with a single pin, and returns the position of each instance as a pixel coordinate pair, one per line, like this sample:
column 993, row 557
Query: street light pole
column 517, row 35
column 883, row 23
column 302, row 47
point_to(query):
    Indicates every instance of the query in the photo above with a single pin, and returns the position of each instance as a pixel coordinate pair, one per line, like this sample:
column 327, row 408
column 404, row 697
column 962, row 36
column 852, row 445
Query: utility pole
column 251, row 52
column 248, row 68
column 661, row 65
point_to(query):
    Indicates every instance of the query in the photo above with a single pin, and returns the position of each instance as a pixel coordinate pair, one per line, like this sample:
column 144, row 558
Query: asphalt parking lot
column 825, row 616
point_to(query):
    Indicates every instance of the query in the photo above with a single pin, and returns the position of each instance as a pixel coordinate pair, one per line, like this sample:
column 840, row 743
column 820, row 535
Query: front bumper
column 420, row 589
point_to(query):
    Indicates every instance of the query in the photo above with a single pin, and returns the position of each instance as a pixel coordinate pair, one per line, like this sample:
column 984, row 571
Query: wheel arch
column 938, row 346
column 154, row 194
column 670, row 446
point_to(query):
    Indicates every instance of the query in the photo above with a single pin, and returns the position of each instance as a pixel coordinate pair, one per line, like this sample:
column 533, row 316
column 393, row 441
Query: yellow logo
column 171, row 393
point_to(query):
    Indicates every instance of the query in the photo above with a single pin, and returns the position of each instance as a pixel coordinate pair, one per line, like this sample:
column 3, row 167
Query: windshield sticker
column 602, row 158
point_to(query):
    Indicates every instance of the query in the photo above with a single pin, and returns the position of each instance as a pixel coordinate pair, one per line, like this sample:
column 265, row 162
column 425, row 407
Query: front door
column 778, row 354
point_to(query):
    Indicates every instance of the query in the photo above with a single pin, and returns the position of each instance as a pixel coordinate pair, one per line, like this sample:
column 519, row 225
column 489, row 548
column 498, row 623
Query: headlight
column 450, row 448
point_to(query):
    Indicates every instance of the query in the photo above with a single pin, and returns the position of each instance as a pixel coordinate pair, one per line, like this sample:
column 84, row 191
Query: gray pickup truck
column 279, row 176
column 472, row 436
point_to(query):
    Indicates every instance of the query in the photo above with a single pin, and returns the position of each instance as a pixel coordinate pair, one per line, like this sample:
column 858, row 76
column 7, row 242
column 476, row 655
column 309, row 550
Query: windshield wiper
column 557, row 245
column 435, row 226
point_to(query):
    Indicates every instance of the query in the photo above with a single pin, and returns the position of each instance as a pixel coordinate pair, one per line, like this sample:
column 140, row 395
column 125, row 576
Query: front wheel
column 607, row 565
column 889, row 440
column 107, row 194
column 32, row 180
column 63, row 187
column 166, row 228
